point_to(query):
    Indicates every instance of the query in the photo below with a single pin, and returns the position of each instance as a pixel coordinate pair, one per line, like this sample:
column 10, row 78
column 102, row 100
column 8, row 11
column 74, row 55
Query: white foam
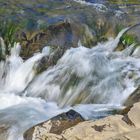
column 97, row 6
column 98, row 78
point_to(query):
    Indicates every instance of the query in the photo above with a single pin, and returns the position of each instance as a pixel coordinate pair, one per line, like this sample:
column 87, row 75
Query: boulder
column 53, row 127
column 59, row 37
column 115, row 127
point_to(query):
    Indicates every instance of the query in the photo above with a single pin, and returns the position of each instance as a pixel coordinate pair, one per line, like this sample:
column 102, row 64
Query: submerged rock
column 53, row 127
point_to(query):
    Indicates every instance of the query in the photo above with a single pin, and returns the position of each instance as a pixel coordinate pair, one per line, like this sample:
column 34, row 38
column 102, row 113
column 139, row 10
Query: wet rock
column 133, row 98
column 125, row 110
column 3, row 132
column 54, row 127
column 49, row 60
column 136, row 53
column 2, row 49
column 116, row 127
column 62, row 35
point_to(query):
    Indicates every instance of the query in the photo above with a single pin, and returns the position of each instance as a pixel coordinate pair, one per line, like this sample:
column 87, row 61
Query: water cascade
column 93, row 81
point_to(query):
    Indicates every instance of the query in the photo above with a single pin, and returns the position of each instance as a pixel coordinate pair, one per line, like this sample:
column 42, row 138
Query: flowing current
column 93, row 82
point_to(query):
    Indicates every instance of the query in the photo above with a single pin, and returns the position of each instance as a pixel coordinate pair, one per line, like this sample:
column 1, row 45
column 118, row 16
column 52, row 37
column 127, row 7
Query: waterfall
column 91, row 81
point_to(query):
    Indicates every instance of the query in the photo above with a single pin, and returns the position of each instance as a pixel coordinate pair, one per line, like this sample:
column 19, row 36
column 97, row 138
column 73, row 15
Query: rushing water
column 97, row 5
column 102, row 6
column 92, row 81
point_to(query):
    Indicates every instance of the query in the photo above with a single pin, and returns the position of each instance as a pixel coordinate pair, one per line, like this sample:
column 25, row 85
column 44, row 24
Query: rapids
column 93, row 81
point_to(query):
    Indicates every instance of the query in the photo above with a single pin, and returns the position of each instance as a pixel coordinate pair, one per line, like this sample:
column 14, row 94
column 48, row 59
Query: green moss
column 128, row 39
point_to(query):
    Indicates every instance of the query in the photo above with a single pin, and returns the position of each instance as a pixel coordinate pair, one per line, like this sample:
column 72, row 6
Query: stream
column 92, row 81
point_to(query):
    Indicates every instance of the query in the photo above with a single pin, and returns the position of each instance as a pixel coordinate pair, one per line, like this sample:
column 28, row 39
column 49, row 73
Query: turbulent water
column 92, row 81
column 101, row 6
column 97, row 5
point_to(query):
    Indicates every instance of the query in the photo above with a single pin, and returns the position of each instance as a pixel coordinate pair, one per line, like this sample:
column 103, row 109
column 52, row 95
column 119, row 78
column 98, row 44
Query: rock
column 2, row 49
column 134, row 114
column 133, row 98
column 98, row 130
column 54, row 127
column 64, row 35
column 125, row 110
column 3, row 132
column 63, row 23
column 48, row 61
column 136, row 52
column 116, row 127
column 127, row 136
